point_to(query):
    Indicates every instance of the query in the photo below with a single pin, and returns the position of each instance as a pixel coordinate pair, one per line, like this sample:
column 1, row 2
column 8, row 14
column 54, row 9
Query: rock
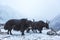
column 51, row 33
column 55, row 23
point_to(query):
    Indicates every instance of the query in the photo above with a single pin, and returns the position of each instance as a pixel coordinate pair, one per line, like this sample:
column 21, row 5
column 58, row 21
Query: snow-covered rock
column 55, row 23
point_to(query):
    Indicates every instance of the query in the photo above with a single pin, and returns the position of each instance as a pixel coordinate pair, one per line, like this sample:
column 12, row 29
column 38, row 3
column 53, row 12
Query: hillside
column 8, row 13
column 55, row 23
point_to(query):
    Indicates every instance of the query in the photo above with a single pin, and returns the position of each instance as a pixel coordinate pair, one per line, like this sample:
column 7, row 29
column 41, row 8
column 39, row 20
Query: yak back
column 10, row 23
column 38, row 24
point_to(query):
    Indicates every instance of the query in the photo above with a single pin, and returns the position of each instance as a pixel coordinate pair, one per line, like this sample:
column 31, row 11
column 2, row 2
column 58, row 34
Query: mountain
column 55, row 23
column 7, row 13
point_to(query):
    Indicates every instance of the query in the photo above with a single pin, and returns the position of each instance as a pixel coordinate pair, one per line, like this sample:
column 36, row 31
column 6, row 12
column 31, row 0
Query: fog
column 34, row 9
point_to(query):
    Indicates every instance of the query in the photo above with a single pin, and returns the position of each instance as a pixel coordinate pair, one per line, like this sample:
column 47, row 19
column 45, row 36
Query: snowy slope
column 55, row 23
column 28, row 36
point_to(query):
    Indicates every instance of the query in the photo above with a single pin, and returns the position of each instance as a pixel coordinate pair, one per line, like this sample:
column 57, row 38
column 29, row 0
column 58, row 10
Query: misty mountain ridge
column 7, row 13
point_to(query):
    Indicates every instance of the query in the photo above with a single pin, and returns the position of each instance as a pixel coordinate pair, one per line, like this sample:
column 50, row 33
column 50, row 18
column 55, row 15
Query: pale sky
column 34, row 9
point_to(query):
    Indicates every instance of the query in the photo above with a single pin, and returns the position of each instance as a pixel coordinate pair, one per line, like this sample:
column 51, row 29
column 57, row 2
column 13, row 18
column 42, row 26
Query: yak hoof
column 27, row 31
column 7, row 32
column 40, row 32
column 22, row 34
column 11, row 34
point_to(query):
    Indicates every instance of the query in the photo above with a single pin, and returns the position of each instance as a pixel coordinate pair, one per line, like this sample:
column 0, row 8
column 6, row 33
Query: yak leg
column 22, row 32
column 40, row 30
column 8, row 32
column 34, row 30
column 28, row 30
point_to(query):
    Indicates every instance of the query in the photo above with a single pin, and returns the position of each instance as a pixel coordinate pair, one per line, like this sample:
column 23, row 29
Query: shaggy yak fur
column 18, row 25
column 38, row 26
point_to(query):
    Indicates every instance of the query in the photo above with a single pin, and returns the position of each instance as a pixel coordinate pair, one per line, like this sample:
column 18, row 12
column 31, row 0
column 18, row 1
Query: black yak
column 19, row 25
column 38, row 26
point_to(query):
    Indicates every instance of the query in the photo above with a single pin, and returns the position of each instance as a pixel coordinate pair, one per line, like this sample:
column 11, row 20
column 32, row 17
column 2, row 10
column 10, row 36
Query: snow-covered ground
column 28, row 36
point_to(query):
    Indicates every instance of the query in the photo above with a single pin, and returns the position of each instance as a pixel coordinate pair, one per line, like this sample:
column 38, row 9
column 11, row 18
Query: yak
column 38, row 25
column 17, row 24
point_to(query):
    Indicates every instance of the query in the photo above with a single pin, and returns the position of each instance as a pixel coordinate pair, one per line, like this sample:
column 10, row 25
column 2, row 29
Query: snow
column 7, row 11
column 28, row 36
column 55, row 23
